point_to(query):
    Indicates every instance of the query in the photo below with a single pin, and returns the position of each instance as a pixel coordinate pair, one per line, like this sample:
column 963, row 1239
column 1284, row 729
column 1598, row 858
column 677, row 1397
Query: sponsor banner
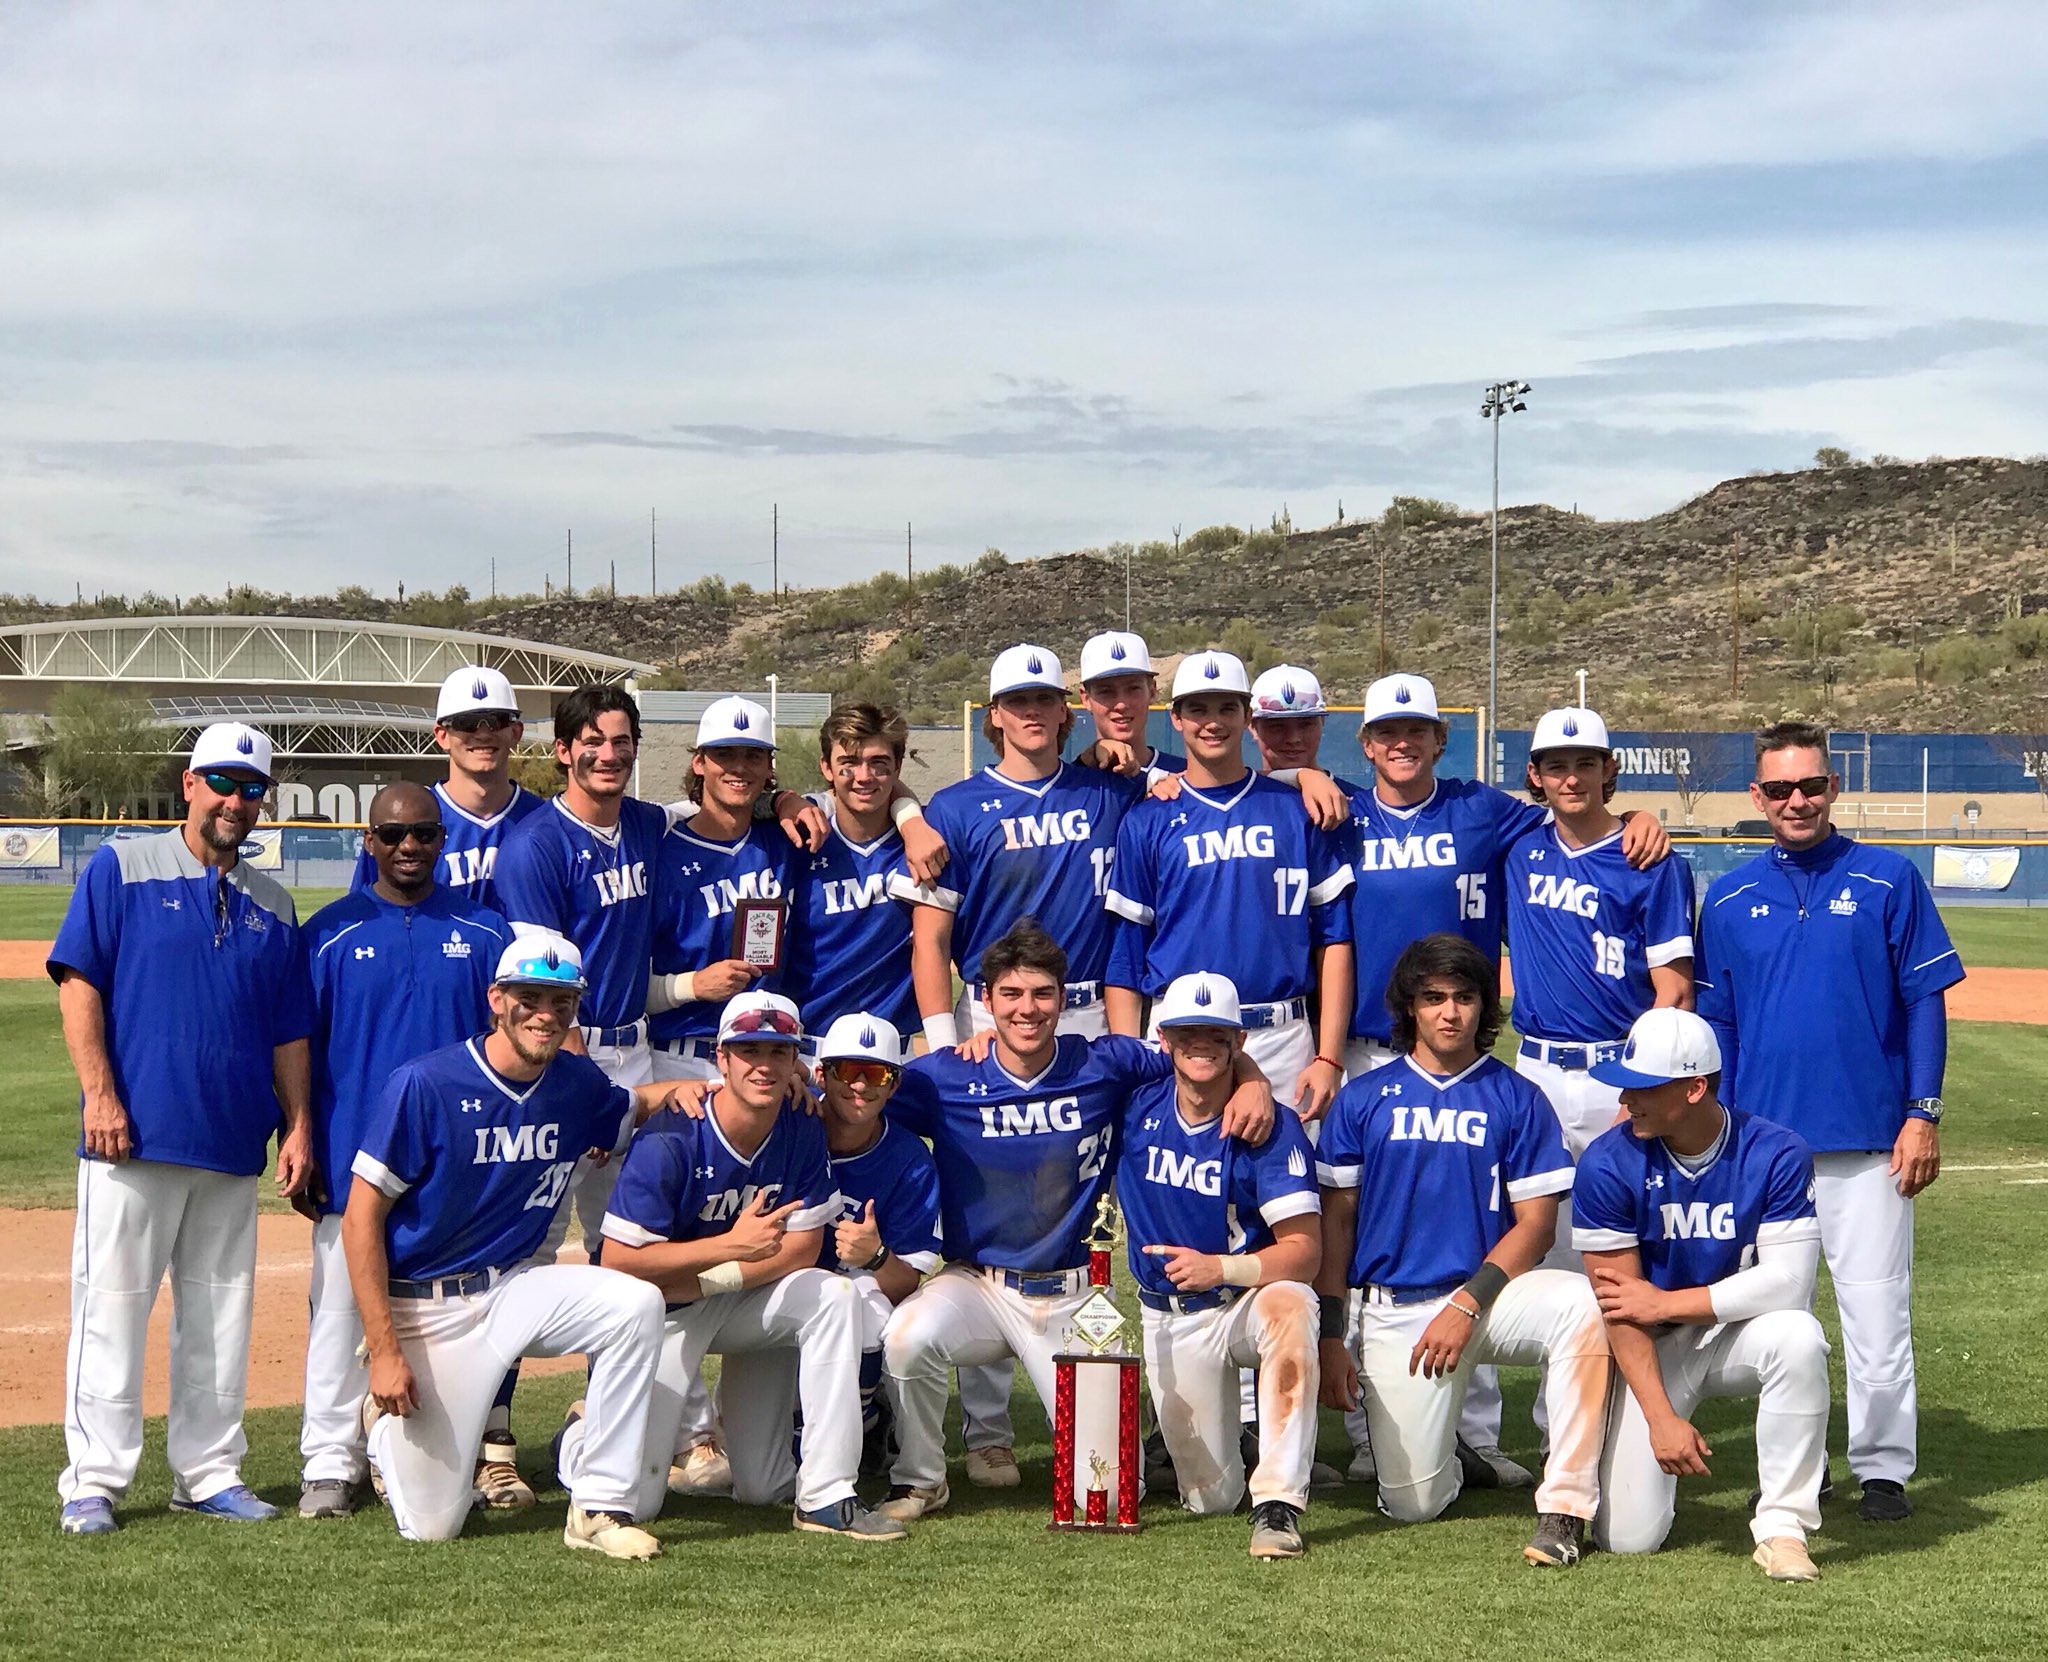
column 1975, row 868
column 30, row 848
column 264, row 851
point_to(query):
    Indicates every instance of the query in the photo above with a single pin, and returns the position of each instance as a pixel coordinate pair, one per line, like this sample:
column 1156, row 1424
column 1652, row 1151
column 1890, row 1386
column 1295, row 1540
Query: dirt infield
column 35, row 1318
column 23, row 960
column 2019, row 995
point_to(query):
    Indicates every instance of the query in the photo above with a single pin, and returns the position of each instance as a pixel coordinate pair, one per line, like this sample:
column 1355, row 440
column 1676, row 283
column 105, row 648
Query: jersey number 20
column 548, row 1191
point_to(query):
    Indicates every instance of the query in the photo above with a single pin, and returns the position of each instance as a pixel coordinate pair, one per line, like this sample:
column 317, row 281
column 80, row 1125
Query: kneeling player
column 462, row 1166
column 1224, row 1239
column 1698, row 1228
column 1441, row 1173
column 726, row 1214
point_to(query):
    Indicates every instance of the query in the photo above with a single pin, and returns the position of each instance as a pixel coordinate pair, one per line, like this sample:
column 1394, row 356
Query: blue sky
column 379, row 294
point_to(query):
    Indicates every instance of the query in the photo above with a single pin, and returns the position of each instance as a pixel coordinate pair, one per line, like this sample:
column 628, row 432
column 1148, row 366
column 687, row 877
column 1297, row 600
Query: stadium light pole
column 1501, row 397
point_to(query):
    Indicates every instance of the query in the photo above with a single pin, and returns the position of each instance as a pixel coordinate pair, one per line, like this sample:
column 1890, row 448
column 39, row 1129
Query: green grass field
column 1961, row 1579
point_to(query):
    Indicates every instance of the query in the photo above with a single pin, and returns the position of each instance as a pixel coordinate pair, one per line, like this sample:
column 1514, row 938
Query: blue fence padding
column 1882, row 764
column 1339, row 753
column 312, row 856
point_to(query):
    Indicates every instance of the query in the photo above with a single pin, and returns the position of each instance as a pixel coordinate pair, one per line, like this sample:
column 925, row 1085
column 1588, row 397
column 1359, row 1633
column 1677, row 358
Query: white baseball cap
column 861, row 1038
column 1288, row 690
column 473, row 688
column 759, row 1018
column 1198, row 1000
column 734, row 721
column 1114, row 653
column 1399, row 698
column 1569, row 729
column 541, row 959
column 1022, row 666
column 1210, row 672
column 230, row 744
column 1663, row 1045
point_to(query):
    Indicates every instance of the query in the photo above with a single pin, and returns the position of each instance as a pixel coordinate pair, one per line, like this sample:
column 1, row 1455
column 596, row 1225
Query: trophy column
column 1096, row 1466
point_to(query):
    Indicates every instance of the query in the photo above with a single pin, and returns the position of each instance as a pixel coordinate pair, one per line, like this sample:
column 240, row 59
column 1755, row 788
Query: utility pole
column 909, row 574
column 775, row 550
column 1380, row 547
column 572, row 561
column 653, row 569
column 615, row 579
column 494, row 577
column 1735, row 625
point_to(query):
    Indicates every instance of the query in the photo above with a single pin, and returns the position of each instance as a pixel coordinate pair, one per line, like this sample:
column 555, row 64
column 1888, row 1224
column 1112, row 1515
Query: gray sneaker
column 1558, row 1543
column 327, row 1497
column 1485, row 1467
column 1276, row 1531
column 850, row 1519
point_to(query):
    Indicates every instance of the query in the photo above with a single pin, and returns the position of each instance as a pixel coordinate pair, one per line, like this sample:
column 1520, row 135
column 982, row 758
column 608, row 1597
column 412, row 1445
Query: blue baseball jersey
column 1023, row 1162
column 469, row 847
column 1238, row 881
column 476, row 1163
column 390, row 983
column 1585, row 928
column 682, row 1180
column 1808, row 961
column 698, row 881
column 1039, row 850
column 201, row 977
column 597, row 889
column 1694, row 1226
column 849, row 949
column 1191, row 1186
column 1424, row 870
column 1438, row 1165
column 896, row 1172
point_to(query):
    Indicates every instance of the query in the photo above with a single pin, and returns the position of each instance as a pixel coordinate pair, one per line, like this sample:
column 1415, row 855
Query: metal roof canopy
column 792, row 709
column 289, row 651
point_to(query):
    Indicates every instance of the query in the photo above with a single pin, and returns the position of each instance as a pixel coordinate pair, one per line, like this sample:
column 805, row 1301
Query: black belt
column 1189, row 1304
column 447, row 1286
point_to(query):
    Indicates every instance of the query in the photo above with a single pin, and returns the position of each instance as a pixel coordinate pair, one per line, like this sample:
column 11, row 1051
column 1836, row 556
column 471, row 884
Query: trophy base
column 1079, row 1528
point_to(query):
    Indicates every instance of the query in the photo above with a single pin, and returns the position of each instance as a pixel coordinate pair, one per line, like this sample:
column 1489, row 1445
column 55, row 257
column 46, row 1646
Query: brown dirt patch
column 23, row 960
column 35, row 1317
column 2019, row 995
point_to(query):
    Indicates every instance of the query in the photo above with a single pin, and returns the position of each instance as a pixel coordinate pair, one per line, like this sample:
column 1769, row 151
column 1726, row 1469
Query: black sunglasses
column 1780, row 790
column 420, row 830
column 226, row 784
column 479, row 721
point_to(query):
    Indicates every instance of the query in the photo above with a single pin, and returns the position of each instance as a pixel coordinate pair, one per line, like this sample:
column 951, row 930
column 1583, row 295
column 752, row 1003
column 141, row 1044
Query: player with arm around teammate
column 398, row 970
column 1698, row 1228
column 726, row 1216
column 1824, row 959
column 1440, row 1174
column 460, row 1172
column 1224, row 1240
column 1025, row 1144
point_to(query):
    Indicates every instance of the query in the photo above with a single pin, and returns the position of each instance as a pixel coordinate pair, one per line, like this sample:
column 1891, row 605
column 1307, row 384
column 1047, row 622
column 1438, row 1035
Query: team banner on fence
column 1975, row 868
column 264, row 851
column 30, row 848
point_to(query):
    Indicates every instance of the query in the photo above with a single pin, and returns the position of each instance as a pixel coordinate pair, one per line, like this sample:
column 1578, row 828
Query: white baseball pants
column 1781, row 1359
column 1192, row 1362
column 963, row 1319
column 1866, row 1234
column 1584, row 1108
column 136, row 1221
column 331, row 1433
column 796, row 1339
column 459, row 1349
column 1546, row 1316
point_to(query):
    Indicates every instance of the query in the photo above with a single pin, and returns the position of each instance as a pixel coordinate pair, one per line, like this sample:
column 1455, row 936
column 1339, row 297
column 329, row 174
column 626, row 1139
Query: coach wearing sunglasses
column 1823, row 967
column 181, row 981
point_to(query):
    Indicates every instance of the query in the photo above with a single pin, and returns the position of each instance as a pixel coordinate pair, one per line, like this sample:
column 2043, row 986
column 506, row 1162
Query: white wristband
column 1242, row 1269
column 904, row 809
column 720, row 1278
column 939, row 1031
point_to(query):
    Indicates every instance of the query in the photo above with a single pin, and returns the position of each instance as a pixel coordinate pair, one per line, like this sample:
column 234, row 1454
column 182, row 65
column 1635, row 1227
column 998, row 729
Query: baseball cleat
column 1363, row 1468
column 851, row 1520
column 993, row 1468
column 1323, row 1475
column 1159, row 1473
column 574, row 1414
column 1558, row 1543
column 89, row 1515
column 612, row 1533
column 237, row 1503
column 1784, row 1558
column 1485, row 1467
column 497, row 1482
column 1276, row 1530
column 1884, row 1502
column 327, row 1497
column 906, row 1502
column 703, row 1470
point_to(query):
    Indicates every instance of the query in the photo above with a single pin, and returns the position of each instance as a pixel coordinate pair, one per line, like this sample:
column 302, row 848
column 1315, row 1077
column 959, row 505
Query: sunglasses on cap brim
column 1780, row 790
column 229, row 784
column 763, row 1024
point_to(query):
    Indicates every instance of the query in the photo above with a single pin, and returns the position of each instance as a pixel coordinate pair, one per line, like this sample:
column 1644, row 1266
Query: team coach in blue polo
column 181, row 981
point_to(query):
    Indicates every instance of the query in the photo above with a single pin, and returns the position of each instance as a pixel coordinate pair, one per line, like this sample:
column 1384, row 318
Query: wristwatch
column 1925, row 1108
